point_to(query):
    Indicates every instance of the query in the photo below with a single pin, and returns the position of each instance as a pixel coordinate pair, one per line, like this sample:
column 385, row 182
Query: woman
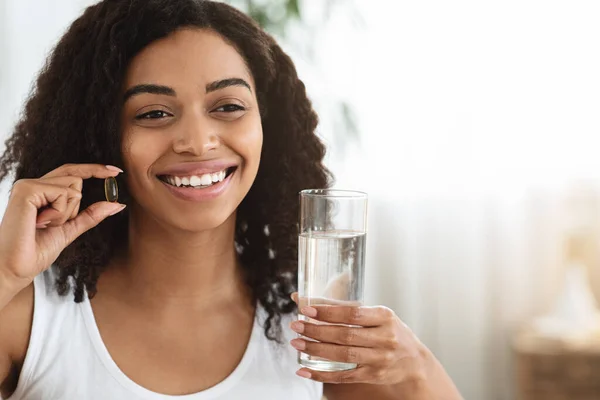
column 185, row 293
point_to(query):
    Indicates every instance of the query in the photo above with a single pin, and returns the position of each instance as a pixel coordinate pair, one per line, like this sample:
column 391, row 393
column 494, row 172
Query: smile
column 197, row 181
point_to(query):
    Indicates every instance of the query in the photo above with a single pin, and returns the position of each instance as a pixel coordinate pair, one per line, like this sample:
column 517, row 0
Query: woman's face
column 192, row 133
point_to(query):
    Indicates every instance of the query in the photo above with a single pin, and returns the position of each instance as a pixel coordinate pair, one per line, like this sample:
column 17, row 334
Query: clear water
column 330, row 271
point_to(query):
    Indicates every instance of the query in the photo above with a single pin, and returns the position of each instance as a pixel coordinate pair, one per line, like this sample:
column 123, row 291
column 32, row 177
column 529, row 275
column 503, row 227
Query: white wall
column 476, row 117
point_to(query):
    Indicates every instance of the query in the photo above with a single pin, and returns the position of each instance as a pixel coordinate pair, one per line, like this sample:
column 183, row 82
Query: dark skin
column 392, row 362
column 163, row 312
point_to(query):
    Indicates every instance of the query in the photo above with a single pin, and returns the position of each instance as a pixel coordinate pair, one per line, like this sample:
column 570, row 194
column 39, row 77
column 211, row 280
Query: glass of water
column 331, row 257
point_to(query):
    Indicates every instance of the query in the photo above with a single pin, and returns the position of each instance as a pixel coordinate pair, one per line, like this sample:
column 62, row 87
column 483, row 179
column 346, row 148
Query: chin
column 201, row 221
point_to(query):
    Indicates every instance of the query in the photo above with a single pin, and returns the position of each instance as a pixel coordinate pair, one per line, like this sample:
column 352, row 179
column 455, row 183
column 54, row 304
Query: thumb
column 89, row 218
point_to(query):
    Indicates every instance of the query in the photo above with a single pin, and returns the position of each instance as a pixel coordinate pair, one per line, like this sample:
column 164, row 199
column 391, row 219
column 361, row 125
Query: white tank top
column 67, row 360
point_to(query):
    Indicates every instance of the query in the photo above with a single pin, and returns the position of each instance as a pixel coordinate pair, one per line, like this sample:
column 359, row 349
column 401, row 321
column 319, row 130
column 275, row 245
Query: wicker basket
column 555, row 370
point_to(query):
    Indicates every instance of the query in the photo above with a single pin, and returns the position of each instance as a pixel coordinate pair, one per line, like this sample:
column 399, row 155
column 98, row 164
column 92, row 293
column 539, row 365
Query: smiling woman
column 205, row 107
column 201, row 118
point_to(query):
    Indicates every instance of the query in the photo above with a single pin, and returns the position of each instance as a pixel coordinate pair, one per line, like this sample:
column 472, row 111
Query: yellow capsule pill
column 111, row 190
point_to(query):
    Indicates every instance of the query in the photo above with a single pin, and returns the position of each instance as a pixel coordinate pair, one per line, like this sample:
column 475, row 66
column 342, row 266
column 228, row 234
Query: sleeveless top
column 66, row 359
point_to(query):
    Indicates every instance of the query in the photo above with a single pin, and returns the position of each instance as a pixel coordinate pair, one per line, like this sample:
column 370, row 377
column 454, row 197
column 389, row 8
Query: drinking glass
column 331, row 257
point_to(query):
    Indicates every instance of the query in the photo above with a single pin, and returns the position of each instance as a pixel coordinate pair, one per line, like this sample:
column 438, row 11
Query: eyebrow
column 168, row 91
column 223, row 83
column 148, row 88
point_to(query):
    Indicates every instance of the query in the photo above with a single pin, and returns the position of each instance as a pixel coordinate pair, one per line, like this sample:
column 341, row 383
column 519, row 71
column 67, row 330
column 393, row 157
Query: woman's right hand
column 42, row 218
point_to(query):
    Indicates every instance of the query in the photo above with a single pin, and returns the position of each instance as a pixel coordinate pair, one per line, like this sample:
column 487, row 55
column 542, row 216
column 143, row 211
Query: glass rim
column 334, row 193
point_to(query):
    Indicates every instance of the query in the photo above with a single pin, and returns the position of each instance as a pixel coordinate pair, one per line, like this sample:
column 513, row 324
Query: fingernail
column 304, row 374
column 113, row 168
column 309, row 311
column 297, row 326
column 298, row 344
column 118, row 209
column 42, row 225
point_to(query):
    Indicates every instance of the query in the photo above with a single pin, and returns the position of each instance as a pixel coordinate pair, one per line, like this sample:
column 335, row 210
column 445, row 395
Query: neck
column 165, row 265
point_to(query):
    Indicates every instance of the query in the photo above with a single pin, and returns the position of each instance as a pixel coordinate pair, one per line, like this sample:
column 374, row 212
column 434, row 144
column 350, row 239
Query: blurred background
column 475, row 128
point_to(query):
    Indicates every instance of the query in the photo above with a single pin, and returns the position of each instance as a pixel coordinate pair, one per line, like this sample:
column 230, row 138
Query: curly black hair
column 73, row 113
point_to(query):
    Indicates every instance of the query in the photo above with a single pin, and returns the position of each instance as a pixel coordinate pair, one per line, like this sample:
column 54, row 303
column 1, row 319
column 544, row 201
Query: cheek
column 249, row 144
column 255, row 146
column 140, row 150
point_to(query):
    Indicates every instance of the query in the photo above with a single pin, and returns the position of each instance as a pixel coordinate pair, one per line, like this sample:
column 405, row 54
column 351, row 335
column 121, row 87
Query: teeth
column 195, row 180
column 205, row 179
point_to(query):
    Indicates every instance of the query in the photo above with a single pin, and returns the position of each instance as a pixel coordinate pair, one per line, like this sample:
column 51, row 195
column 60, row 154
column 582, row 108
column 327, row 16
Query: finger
column 74, row 208
column 31, row 197
column 89, row 218
column 348, row 336
column 59, row 201
column 360, row 316
column 85, row 171
column 357, row 375
column 71, row 210
column 335, row 352
column 52, row 217
column 73, row 182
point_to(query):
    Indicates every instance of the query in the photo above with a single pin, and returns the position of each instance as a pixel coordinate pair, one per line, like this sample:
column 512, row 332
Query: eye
column 229, row 108
column 154, row 114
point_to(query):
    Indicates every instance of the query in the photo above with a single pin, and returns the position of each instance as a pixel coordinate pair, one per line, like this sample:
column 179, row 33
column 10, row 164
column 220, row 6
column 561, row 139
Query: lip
column 202, row 194
column 197, row 168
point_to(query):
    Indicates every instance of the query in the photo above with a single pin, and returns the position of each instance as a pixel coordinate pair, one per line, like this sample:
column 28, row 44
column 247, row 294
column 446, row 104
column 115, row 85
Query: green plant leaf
column 293, row 8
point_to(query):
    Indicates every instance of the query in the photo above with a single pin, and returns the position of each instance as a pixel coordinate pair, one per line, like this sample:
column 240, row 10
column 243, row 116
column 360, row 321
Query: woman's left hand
column 385, row 349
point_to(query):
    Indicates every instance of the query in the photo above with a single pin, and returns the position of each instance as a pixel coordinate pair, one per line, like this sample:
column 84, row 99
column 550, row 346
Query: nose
column 196, row 135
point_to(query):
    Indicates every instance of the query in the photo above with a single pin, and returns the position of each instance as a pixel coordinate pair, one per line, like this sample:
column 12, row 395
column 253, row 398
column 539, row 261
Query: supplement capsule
column 111, row 190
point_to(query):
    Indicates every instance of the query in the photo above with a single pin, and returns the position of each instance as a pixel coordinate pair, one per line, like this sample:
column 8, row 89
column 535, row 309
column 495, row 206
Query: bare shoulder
column 15, row 327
